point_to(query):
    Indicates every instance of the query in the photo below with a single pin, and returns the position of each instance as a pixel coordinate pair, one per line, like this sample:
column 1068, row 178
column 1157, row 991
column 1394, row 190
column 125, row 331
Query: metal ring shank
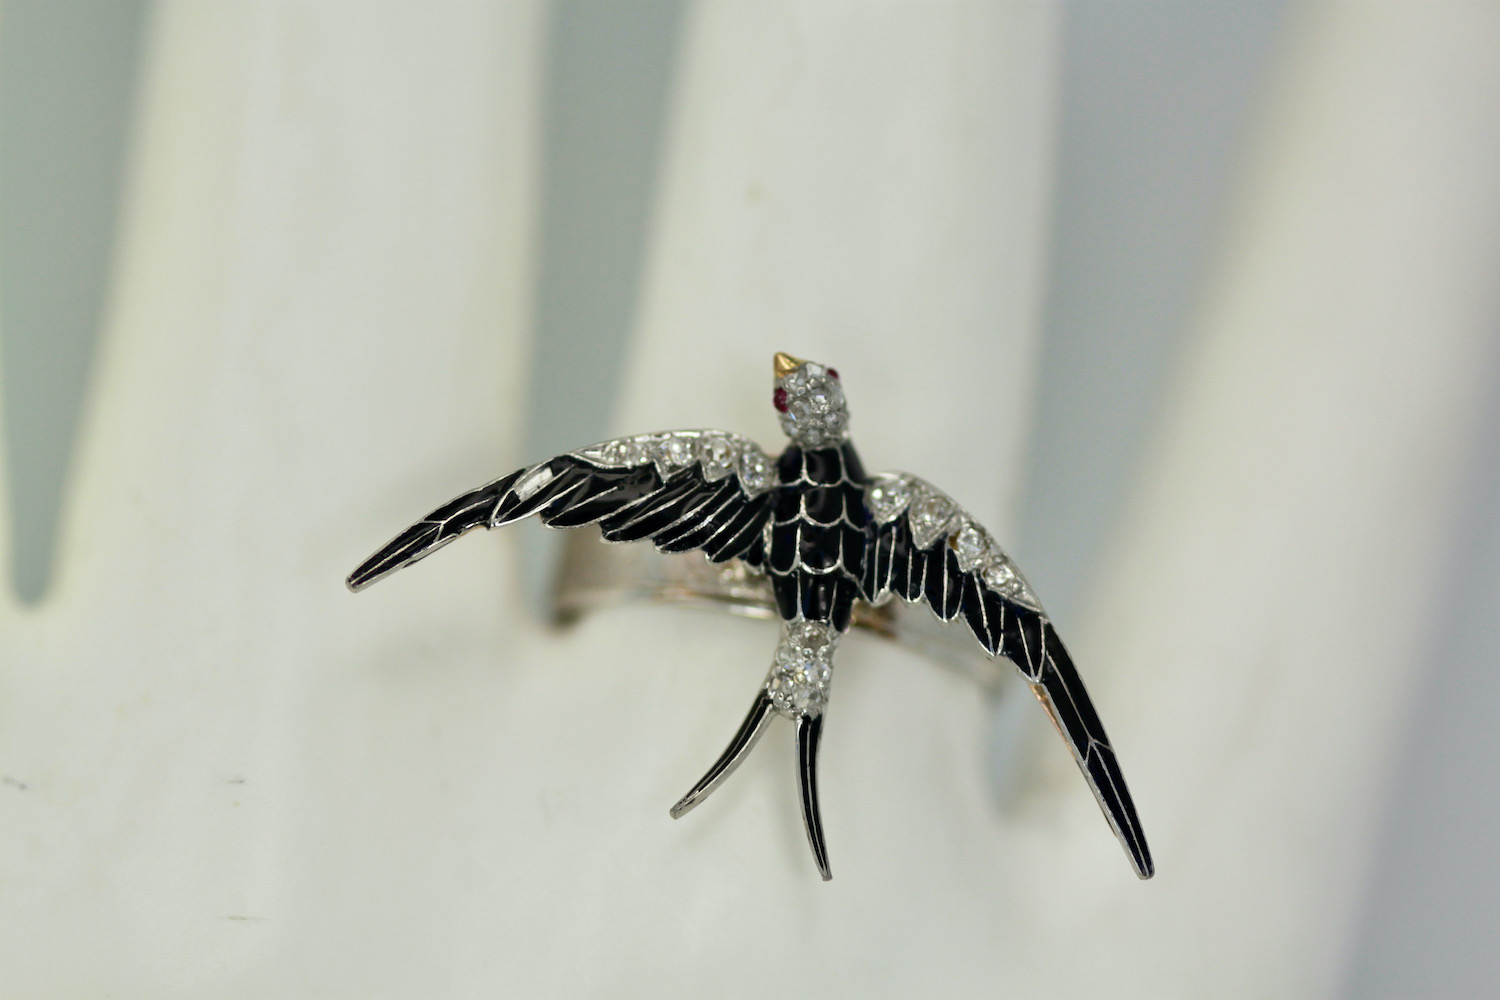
column 596, row 574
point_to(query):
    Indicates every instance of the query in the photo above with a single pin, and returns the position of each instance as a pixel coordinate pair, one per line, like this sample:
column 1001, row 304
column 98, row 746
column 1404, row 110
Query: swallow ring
column 806, row 537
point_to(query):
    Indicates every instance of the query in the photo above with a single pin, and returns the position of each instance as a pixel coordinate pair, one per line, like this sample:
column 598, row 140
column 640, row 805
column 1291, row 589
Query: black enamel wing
column 664, row 487
column 925, row 548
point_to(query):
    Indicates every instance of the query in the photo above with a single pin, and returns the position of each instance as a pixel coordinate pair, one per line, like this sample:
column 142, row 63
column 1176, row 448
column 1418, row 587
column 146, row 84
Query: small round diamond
column 717, row 454
column 971, row 547
column 810, row 635
column 998, row 576
column 755, row 470
column 930, row 515
column 636, row 451
column 676, row 451
column 887, row 499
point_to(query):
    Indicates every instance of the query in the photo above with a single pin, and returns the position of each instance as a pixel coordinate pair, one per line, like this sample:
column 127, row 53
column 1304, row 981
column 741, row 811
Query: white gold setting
column 802, row 669
column 718, row 453
column 972, row 546
column 533, row 481
column 756, row 472
column 887, row 497
column 813, row 411
column 933, row 515
column 675, row 452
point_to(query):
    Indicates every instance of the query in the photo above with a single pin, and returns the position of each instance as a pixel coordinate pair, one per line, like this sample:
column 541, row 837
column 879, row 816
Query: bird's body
column 827, row 536
column 818, row 534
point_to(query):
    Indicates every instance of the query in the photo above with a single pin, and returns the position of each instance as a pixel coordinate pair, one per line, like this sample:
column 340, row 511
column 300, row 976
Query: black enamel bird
column 827, row 536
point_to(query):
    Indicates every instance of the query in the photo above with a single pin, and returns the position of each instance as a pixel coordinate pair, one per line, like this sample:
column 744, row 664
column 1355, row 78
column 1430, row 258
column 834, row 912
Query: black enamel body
column 818, row 534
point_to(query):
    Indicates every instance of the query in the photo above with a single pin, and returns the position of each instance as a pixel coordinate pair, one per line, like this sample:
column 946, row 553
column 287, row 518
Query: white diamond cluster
column 718, row 452
column 798, row 681
column 932, row 515
column 816, row 415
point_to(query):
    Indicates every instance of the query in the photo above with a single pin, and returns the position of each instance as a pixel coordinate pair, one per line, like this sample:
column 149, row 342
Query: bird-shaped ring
column 825, row 539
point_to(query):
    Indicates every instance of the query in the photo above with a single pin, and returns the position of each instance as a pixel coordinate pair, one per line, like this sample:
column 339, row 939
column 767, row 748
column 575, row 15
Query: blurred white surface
column 229, row 777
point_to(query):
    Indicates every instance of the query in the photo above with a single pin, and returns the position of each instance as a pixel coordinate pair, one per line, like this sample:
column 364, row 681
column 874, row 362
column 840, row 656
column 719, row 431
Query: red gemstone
column 778, row 400
column 833, row 371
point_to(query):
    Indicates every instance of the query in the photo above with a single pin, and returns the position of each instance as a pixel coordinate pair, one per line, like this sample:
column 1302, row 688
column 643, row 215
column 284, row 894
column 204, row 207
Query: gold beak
column 786, row 364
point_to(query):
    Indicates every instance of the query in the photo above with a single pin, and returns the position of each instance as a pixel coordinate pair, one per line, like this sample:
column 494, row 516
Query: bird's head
column 811, row 403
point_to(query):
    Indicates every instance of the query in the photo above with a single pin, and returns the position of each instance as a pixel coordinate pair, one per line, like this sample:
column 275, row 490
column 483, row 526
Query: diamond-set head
column 810, row 402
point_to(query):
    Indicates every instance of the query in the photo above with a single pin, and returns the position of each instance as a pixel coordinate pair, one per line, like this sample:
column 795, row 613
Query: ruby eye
column 833, row 371
column 778, row 400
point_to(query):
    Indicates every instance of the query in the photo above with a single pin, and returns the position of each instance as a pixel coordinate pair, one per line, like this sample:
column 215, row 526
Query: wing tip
column 356, row 583
column 368, row 572
column 415, row 543
column 1140, row 856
